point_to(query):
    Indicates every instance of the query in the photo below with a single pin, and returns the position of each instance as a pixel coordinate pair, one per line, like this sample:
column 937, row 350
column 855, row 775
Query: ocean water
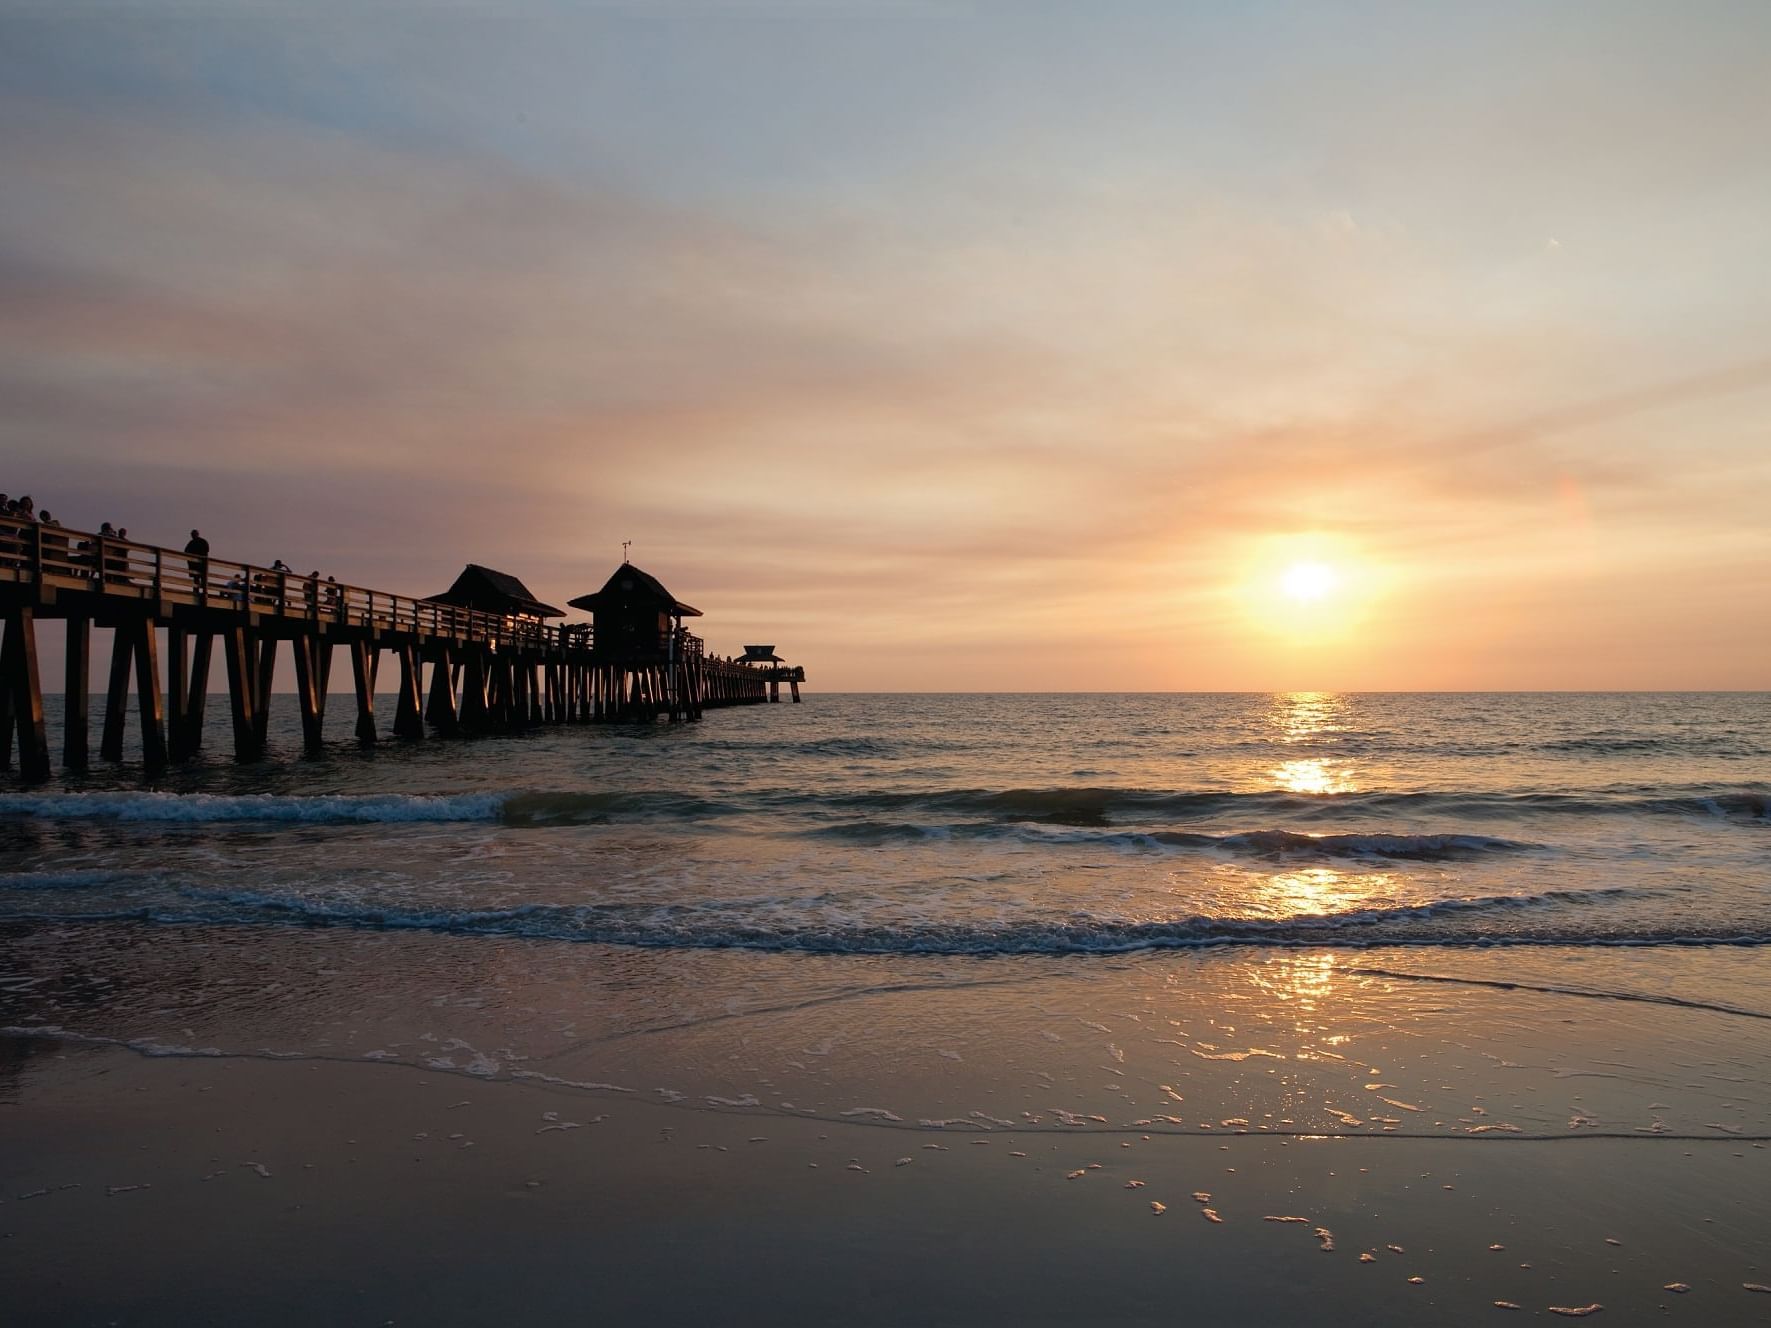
column 935, row 908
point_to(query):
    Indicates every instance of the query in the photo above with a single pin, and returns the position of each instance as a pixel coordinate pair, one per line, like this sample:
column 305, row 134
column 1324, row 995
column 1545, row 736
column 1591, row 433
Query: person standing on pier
column 198, row 550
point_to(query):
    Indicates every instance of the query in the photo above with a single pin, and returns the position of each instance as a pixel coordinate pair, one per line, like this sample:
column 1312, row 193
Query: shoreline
column 248, row 1189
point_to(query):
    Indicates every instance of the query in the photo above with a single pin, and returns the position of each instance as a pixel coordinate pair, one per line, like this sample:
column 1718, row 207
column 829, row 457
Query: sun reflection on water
column 1314, row 776
column 1310, row 717
column 1308, row 892
column 1302, row 716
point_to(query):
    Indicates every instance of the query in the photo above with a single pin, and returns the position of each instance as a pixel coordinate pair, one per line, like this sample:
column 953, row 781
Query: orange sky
column 991, row 348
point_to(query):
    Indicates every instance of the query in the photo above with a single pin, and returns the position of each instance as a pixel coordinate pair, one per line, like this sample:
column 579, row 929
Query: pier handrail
column 56, row 557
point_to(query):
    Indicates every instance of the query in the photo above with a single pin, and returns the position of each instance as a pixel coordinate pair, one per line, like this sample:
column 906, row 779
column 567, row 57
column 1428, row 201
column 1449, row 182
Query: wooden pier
column 479, row 658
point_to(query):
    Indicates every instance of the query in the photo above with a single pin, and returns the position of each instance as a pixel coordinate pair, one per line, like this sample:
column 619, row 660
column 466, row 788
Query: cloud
column 995, row 414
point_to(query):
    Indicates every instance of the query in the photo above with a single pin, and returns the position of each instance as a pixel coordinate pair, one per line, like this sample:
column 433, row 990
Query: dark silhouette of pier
column 480, row 657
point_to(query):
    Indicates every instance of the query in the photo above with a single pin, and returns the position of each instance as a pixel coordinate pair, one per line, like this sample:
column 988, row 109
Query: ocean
column 956, row 911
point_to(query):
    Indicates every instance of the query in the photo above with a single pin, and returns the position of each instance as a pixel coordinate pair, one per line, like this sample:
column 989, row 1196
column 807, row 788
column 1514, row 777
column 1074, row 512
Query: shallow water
column 1089, row 909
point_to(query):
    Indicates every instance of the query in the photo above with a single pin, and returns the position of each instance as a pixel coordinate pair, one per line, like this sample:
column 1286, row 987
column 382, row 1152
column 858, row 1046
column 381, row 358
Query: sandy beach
column 155, row 1188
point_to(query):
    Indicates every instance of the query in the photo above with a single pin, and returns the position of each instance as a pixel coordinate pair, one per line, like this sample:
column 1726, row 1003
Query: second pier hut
column 646, row 661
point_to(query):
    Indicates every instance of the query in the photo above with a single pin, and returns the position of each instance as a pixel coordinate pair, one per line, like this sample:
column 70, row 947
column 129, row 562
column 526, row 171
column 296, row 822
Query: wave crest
column 1099, row 808
column 1264, row 844
column 715, row 926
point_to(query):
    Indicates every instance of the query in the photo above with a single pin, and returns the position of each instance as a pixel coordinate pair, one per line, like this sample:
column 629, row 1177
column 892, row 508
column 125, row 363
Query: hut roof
column 492, row 591
column 629, row 583
column 760, row 655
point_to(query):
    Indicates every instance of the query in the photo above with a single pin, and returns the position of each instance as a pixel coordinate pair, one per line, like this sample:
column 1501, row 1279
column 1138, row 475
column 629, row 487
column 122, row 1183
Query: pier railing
column 55, row 558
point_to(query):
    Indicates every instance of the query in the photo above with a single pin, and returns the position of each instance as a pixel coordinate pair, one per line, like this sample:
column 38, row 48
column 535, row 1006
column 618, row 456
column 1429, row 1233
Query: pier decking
column 462, row 670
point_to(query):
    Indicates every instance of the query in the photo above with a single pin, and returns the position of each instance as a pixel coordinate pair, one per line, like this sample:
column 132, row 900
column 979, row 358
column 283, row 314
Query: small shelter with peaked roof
column 491, row 591
column 634, row 614
column 760, row 655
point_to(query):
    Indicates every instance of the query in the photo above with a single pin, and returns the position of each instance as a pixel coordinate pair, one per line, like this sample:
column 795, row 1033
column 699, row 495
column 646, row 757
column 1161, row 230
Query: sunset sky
column 948, row 346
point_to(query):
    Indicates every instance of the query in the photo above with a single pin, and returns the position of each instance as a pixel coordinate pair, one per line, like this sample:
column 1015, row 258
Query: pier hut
column 775, row 670
column 487, row 590
column 633, row 616
column 638, row 638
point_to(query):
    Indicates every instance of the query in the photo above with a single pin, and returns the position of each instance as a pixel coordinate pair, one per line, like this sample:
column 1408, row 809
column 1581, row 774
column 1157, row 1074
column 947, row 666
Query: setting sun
column 1308, row 582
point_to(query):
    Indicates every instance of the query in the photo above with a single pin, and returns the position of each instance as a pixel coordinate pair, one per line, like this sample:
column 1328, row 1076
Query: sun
column 1309, row 589
column 1308, row 582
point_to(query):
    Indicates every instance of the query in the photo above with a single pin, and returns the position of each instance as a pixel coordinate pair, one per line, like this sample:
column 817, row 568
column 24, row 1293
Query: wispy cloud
column 1003, row 412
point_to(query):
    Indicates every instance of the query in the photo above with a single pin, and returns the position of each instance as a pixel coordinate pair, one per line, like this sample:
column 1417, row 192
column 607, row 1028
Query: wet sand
column 140, row 1190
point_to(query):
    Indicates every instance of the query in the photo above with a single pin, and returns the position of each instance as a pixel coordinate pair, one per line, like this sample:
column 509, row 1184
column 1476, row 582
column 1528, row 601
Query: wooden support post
column 441, row 710
column 6, row 706
column 178, row 694
column 241, row 685
column 76, row 694
column 513, row 708
column 794, row 683
column 198, row 698
column 110, row 743
column 263, row 676
column 149, row 699
column 24, row 688
column 364, row 661
column 308, row 694
column 492, row 668
column 473, row 689
column 409, row 714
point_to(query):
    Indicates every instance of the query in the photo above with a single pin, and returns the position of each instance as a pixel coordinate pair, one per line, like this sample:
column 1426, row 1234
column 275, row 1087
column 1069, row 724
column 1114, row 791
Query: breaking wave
column 1099, row 806
column 1483, row 921
column 1266, row 844
column 1064, row 806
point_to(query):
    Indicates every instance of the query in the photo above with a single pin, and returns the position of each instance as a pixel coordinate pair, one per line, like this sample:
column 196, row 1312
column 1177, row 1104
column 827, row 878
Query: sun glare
column 1309, row 582
column 1310, row 590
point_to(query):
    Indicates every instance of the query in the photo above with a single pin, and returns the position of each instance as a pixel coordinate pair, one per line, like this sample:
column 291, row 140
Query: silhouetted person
column 198, row 549
column 51, row 545
column 114, row 566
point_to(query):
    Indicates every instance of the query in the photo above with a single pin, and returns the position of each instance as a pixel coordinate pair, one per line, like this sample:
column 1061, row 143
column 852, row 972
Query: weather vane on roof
column 625, row 546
